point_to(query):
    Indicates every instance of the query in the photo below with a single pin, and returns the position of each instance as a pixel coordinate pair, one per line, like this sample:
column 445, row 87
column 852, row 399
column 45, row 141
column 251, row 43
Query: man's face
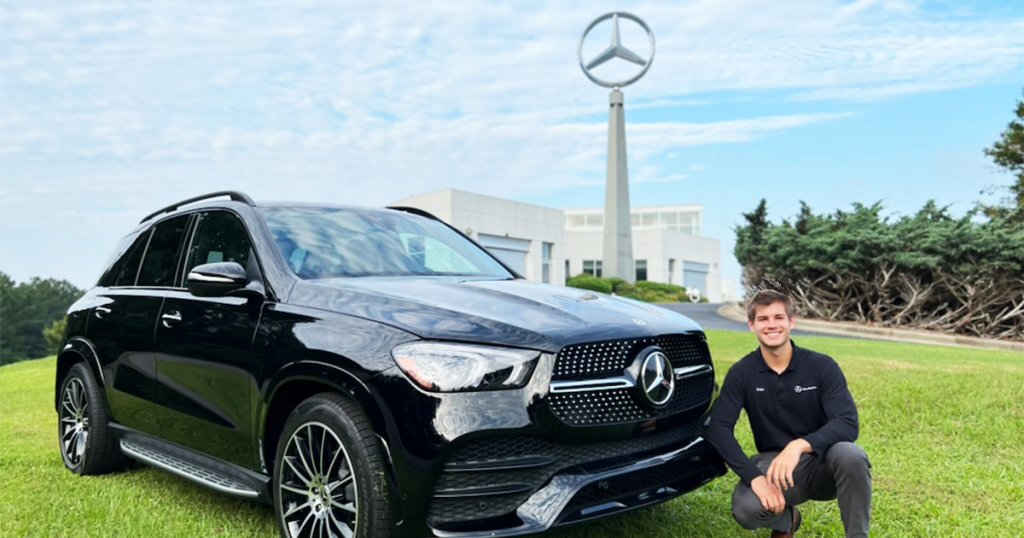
column 771, row 325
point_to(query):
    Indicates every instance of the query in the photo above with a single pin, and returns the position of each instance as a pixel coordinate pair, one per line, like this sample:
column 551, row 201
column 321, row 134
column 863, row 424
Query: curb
column 734, row 312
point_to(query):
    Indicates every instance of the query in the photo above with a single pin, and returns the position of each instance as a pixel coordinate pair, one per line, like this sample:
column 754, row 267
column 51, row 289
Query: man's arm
column 721, row 431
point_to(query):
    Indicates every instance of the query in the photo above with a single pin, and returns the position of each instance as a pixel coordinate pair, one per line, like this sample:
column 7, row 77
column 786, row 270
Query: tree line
column 32, row 316
column 929, row 270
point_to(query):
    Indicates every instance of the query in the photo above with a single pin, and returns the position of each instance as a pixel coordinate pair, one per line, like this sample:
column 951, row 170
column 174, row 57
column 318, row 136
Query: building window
column 567, row 270
column 592, row 267
column 545, row 256
column 671, row 271
column 641, row 270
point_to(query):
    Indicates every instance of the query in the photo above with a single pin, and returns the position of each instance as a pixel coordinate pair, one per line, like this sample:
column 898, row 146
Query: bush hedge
column 927, row 270
column 589, row 282
column 648, row 292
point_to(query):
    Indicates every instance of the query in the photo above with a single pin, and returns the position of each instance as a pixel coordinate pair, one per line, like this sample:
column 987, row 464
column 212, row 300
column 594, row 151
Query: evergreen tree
column 1008, row 154
column 26, row 310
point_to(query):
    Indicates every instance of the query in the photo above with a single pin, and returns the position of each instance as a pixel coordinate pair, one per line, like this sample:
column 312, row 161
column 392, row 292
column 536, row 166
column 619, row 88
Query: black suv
column 373, row 372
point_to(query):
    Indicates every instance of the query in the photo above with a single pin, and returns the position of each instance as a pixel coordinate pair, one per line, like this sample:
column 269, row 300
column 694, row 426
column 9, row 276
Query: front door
column 206, row 367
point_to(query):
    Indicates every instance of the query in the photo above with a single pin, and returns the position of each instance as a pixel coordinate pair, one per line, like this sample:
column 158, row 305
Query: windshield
column 330, row 242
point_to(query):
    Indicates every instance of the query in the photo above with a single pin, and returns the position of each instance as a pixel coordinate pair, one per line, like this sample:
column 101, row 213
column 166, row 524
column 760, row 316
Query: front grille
column 446, row 507
column 623, row 405
column 599, row 360
column 596, row 360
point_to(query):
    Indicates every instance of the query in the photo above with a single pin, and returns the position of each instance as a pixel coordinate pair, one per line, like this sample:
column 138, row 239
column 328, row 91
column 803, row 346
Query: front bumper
column 583, row 493
column 512, row 462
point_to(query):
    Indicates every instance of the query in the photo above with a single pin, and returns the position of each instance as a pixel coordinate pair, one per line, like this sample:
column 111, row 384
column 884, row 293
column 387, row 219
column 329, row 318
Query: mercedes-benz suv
column 374, row 372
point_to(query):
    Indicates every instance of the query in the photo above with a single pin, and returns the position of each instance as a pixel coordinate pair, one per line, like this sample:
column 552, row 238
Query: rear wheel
column 329, row 473
column 86, row 444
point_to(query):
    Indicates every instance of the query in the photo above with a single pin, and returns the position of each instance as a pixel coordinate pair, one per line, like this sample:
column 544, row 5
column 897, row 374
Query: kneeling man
column 804, row 423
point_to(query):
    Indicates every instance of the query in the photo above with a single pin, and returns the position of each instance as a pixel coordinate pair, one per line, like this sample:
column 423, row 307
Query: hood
column 516, row 313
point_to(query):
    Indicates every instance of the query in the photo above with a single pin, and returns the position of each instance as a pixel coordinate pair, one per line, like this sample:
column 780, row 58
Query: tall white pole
column 618, row 230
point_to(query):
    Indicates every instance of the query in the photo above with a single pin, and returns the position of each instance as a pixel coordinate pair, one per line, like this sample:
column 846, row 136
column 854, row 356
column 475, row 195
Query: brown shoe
column 792, row 529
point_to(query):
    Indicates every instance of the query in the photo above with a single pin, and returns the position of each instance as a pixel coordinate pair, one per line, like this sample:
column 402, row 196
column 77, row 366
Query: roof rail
column 235, row 196
column 414, row 211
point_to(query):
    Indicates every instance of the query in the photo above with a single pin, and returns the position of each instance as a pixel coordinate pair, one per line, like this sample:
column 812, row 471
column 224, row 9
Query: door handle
column 101, row 311
column 171, row 318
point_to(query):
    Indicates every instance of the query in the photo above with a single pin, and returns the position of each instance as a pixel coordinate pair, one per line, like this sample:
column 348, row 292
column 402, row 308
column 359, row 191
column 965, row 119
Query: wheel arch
column 300, row 380
column 76, row 350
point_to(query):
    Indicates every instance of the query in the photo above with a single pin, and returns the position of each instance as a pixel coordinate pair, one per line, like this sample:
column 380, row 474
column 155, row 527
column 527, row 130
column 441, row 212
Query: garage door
column 695, row 275
column 511, row 251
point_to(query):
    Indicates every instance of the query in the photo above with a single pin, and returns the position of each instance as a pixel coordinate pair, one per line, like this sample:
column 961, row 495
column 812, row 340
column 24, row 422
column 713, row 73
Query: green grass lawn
column 944, row 428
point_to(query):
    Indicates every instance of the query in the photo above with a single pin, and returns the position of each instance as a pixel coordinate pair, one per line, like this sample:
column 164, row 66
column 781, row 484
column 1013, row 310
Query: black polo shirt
column 808, row 400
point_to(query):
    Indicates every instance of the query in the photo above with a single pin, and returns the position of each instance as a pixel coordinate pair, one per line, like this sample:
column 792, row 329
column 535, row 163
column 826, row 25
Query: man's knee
column 847, row 457
column 747, row 509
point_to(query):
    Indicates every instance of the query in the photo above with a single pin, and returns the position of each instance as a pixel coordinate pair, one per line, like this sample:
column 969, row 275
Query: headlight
column 459, row 367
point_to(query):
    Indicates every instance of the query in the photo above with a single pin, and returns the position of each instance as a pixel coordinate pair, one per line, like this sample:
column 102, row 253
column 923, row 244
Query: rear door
column 122, row 326
column 206, row 367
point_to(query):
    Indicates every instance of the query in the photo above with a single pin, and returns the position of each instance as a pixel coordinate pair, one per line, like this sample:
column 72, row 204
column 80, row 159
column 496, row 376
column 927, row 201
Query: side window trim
column 142, row 260
column 180, row 273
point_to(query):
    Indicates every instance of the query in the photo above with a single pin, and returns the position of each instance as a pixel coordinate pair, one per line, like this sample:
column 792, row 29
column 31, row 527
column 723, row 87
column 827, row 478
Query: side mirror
column 217, row 280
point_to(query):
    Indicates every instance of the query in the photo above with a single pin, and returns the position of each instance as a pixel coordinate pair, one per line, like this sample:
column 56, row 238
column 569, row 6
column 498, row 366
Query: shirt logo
column 800, row 389
column 759, row 389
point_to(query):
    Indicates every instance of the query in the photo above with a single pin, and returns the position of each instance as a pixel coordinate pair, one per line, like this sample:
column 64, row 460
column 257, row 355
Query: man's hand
column 770, row 496
column 780, row 472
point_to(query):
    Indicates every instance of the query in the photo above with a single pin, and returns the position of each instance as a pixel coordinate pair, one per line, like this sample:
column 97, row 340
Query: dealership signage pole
column 618, row 235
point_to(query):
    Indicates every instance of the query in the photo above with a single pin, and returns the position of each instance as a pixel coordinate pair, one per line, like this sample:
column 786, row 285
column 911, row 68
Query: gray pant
column 844, row 473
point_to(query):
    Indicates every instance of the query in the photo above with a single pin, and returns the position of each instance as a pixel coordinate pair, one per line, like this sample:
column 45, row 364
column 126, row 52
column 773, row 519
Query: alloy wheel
column 74, row 422
column 316, row 485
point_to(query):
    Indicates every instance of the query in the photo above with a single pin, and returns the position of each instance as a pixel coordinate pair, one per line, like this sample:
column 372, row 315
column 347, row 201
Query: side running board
column 185, row 469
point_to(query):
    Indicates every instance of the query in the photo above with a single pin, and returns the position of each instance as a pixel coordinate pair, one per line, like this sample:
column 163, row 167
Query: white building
column 551, row 245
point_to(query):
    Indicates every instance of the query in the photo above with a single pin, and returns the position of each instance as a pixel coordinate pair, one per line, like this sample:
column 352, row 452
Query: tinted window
column 434, row 255
column 128, row 267
column 220, row 237
column 335, row 242
column 113, row 269
column 160, row 263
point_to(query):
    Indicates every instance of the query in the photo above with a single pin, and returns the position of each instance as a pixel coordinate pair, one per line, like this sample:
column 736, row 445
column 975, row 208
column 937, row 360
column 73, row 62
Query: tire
column 329, row 473
column 86, row 443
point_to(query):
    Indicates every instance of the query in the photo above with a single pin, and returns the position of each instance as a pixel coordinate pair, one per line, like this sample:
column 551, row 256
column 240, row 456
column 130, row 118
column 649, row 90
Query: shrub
column 660, row 288
column 588, row 282
column 615, row 282
column 54, row 334
column 648, row 292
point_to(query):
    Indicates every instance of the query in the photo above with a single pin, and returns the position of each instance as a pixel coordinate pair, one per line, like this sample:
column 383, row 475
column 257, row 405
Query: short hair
column 765, row 298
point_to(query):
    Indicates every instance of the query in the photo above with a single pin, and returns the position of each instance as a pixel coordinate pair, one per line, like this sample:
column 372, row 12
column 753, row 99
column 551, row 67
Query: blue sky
column 109, row 110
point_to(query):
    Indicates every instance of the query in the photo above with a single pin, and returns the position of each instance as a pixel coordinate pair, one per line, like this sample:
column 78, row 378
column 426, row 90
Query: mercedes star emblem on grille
column 656, row 379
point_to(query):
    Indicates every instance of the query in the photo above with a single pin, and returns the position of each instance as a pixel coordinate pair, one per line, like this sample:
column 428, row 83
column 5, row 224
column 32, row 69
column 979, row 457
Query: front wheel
column 329, row 473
